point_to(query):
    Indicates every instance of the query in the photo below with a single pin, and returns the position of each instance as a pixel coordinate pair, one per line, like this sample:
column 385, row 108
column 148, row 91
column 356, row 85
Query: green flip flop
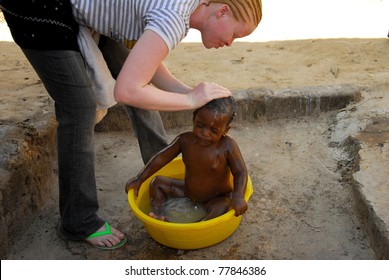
column 106, row 232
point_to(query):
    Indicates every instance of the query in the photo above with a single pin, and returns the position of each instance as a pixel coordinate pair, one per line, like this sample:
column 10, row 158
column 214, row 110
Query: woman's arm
column 143, row 65
column 164, row 80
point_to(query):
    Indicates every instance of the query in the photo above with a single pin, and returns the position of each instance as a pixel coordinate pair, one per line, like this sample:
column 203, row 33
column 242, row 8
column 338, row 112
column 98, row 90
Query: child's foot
column 107, row 238
column 161, row 218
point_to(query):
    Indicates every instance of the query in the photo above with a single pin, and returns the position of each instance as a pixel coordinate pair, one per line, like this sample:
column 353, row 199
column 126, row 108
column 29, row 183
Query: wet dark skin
column 209, row 155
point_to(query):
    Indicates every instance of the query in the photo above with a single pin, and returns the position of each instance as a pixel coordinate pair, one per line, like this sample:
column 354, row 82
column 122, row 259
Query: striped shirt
column 126, row 20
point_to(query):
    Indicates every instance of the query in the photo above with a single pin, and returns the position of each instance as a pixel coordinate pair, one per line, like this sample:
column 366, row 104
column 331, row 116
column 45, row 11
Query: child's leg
column 161, row 188
column 217, row 207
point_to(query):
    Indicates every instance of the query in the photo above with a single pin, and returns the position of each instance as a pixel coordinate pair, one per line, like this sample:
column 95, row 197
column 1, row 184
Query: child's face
column 209, row 126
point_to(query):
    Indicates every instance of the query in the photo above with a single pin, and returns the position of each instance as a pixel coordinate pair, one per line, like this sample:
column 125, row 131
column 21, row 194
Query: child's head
column 226, row 105
column 212, row 121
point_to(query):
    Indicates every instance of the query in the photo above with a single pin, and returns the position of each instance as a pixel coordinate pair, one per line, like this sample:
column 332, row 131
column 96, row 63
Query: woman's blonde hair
column 244, row 10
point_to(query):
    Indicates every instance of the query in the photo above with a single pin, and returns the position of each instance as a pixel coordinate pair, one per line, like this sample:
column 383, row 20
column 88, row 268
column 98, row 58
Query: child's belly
column 201, row 189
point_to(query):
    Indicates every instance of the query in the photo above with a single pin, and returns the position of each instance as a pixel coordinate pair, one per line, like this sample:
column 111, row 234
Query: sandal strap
column 100, row 233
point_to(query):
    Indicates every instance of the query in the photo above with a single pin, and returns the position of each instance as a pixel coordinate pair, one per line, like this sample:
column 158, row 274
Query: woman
column 47, row 30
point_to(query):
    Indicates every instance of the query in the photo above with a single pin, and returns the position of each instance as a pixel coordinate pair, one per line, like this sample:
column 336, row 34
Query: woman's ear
column 223, row 10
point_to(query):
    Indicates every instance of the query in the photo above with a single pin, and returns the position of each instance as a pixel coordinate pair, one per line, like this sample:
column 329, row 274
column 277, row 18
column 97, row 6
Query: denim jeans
column 64, row 76
column 147, row 125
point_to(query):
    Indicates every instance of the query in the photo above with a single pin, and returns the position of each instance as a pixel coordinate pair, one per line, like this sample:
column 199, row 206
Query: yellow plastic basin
column 184, row 235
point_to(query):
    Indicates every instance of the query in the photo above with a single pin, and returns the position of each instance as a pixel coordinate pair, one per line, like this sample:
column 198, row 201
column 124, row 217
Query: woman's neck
column 198, row 16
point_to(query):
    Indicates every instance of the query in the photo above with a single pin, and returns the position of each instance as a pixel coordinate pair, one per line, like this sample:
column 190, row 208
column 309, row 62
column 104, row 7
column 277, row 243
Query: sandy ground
column 301, row 208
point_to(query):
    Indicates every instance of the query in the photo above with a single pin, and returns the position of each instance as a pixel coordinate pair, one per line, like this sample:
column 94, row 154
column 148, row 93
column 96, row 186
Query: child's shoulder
column 229, row 142
column 186, row 135
column 228, row 138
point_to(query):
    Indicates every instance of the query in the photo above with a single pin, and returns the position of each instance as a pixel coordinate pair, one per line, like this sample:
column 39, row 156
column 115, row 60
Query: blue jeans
column 147, row 125
column 64, row 76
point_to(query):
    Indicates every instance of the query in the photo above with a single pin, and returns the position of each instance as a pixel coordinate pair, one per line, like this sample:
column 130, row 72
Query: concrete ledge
column 376, row 227
column 310, row 101
column 371, row 183
column 364, row 126
column 257, row 104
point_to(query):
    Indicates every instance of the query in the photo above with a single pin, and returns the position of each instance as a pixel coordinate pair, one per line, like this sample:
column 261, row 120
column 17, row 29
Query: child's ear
column 226, row 130
column 194, row 115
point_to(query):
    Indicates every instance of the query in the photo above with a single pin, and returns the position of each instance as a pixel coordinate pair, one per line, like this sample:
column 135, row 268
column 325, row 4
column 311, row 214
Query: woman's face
column 222, row 29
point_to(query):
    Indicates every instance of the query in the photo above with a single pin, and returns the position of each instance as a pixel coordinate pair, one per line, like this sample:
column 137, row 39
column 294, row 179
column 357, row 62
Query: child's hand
column 133, row 183
column 239, row 205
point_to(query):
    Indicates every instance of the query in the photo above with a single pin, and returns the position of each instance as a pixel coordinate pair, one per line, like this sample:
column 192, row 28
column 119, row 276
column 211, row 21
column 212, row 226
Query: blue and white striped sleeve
column 167, row 24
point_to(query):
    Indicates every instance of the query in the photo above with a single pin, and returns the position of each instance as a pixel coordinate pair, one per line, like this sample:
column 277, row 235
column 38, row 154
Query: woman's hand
column 205, row 92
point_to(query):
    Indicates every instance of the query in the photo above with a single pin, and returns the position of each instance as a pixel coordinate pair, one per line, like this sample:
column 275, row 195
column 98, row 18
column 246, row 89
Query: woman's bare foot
column 107, row 238
column 161, row 218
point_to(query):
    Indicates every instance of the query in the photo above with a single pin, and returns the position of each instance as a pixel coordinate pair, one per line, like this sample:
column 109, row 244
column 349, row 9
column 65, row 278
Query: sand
column 300, row 209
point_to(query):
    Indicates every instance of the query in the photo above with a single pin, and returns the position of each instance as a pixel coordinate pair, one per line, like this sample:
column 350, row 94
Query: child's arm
column 156, row 163
column 240, row 175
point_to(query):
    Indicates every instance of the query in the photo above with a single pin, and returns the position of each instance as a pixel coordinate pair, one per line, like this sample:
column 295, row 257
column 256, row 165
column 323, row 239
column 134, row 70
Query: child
column 210, row 157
